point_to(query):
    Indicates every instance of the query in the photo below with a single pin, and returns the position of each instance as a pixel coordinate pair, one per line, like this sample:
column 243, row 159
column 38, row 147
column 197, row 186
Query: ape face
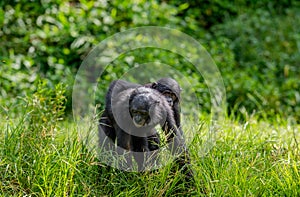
column 171, row 91
column 170, row 96
column 140, row 107
column 140, row 117
column 169, row 88
column 139, row 111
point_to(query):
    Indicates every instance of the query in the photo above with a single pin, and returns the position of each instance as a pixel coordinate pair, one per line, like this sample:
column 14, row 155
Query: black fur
column 156, row 106
column 121, row 97
column 168, row 86
column 165, row 86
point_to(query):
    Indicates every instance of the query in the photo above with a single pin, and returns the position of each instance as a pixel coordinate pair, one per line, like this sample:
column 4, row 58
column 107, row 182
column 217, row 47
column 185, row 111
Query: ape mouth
column 140, row 123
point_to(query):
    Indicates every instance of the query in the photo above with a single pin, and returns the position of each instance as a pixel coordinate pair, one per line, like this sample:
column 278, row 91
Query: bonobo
column 166, row 86
column 106, row 119
column 132, row 111
column 134, row 114
column 171, row 90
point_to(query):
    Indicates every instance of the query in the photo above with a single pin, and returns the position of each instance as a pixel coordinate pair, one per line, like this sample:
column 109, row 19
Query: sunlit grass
column 249, row 158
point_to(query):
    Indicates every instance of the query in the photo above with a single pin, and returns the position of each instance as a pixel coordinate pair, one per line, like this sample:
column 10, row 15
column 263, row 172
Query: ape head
column 144, row 107
column 169, row 88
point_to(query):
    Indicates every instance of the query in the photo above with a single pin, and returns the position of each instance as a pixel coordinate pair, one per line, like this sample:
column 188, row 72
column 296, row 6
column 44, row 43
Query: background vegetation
column 255, row 44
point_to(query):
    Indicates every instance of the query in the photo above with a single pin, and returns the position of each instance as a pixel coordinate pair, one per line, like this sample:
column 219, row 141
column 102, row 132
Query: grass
column 249, row 158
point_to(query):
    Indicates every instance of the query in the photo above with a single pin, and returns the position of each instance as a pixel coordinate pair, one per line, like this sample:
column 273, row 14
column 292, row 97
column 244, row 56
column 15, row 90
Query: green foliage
column 209, row 13
column 45, row 107
column 49, row 39
column 265, row 73
column 255, row 44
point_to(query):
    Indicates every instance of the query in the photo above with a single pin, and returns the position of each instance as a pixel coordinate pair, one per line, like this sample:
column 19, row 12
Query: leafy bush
column 49, row 39
column 255, row 49
column 209, row 13
column 265, row 75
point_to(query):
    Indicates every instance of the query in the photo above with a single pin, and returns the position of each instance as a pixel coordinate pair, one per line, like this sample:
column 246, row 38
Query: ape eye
column 170, row 95
column 134, row 111
column 142, row 113
column 139, row 112
column 174, row 97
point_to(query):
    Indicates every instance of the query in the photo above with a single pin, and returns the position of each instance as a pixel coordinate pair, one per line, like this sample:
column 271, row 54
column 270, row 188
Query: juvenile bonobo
column 171, row 90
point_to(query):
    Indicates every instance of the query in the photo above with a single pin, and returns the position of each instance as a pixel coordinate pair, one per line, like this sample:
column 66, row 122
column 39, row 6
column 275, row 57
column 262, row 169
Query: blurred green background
column 255, row 44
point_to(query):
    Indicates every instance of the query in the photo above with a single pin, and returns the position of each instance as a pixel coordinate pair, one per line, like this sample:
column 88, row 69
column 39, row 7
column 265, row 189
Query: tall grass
column 249, row 157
